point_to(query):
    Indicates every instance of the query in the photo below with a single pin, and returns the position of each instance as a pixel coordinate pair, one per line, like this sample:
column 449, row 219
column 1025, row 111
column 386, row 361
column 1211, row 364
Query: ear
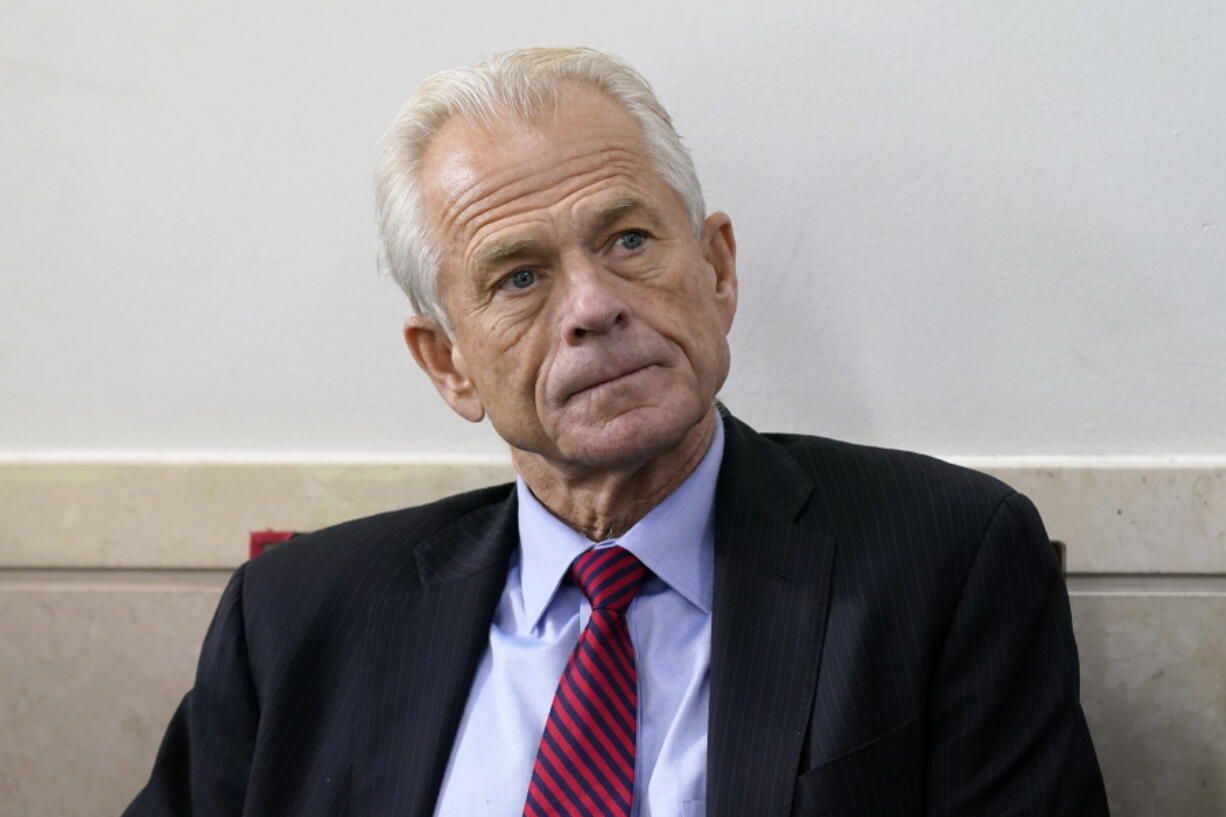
column 719, row 250
column 441, row 360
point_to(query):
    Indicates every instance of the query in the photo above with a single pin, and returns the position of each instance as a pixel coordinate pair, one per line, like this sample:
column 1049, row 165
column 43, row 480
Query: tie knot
column 609, row 577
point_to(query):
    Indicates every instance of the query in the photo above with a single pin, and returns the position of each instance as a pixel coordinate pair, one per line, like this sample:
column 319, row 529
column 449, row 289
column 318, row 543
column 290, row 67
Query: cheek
column 689, row 317
column 508, row 365
column 493, row 335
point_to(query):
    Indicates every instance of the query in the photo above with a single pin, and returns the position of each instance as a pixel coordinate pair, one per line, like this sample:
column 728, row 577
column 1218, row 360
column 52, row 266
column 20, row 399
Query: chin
column 628, row 438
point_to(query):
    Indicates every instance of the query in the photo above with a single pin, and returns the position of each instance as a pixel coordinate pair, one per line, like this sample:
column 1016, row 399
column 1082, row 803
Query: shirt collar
column 675, row 540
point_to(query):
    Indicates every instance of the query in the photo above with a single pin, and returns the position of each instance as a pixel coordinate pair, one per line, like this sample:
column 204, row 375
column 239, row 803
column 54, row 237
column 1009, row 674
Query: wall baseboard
column 1130, row 518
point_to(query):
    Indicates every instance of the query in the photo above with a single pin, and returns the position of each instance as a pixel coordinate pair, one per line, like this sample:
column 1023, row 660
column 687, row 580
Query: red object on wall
column 262, row 540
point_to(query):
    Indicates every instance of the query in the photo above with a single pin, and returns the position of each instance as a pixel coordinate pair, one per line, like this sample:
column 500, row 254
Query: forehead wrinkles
column 494, row 197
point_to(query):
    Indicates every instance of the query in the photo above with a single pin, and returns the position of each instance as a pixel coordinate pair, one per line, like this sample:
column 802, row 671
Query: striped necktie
column 585, row 763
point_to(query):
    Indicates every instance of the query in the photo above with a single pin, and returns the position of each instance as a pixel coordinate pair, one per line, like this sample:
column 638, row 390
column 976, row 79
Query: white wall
column 972, row 228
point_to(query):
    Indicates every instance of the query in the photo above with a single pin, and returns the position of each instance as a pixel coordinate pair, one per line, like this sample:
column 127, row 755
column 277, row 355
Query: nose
column 593, row 304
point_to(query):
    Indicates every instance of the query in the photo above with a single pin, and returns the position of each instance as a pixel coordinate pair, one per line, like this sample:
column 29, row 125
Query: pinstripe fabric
column 890, row 635
column 585, row 763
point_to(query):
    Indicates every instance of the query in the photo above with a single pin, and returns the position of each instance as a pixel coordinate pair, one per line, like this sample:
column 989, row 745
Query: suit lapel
column 772, row 573
column 422, row 645
column 772, row 579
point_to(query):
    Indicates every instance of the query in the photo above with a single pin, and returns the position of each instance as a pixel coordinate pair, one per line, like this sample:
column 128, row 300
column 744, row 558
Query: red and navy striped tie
column 585, row 765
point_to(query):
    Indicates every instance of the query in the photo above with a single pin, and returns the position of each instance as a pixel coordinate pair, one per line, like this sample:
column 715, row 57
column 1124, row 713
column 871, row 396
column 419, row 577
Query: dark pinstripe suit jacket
column 891, row 636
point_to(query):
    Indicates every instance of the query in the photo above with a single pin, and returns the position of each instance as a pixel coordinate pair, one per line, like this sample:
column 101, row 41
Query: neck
column 605, row 503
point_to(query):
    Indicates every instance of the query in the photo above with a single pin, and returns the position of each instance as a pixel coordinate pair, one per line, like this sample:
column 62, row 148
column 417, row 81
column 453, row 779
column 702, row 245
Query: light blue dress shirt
column 536, row 626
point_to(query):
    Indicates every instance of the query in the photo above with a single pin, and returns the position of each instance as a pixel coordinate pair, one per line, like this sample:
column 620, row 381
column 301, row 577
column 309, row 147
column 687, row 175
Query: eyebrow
column 618, row 209
column 501, row 251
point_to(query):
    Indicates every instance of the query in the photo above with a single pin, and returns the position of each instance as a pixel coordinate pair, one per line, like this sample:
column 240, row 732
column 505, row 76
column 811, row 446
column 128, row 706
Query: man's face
column 589, row 321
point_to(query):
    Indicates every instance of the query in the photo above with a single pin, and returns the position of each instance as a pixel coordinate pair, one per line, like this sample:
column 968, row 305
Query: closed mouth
column 613, row 379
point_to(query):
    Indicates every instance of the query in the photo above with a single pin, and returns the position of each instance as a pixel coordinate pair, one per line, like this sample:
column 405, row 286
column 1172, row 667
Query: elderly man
column 668, row 613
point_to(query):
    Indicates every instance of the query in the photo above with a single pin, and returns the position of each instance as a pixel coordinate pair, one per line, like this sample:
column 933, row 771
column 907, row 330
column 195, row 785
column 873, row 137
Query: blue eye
column 632, row 239
column 522, row 278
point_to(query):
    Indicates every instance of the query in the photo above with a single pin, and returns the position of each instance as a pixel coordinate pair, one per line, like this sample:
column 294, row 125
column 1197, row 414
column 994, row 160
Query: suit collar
column 772, row 580
column 476, row 542
column 422, row 644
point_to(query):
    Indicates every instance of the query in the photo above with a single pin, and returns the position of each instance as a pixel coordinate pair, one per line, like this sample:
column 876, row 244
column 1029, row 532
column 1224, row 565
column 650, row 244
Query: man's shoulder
column 900, row 516
column 827, row 459
column 858, row 487
column 366, row 555
column 830, row 462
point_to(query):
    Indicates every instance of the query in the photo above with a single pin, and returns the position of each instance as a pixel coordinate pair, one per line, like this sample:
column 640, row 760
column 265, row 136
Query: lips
column 603, row 376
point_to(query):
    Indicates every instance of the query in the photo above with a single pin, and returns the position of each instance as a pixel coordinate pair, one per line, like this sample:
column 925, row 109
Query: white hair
column 524, row 82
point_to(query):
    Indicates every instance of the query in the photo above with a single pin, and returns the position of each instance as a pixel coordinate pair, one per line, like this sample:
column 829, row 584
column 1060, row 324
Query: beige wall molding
column 1115, row 518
